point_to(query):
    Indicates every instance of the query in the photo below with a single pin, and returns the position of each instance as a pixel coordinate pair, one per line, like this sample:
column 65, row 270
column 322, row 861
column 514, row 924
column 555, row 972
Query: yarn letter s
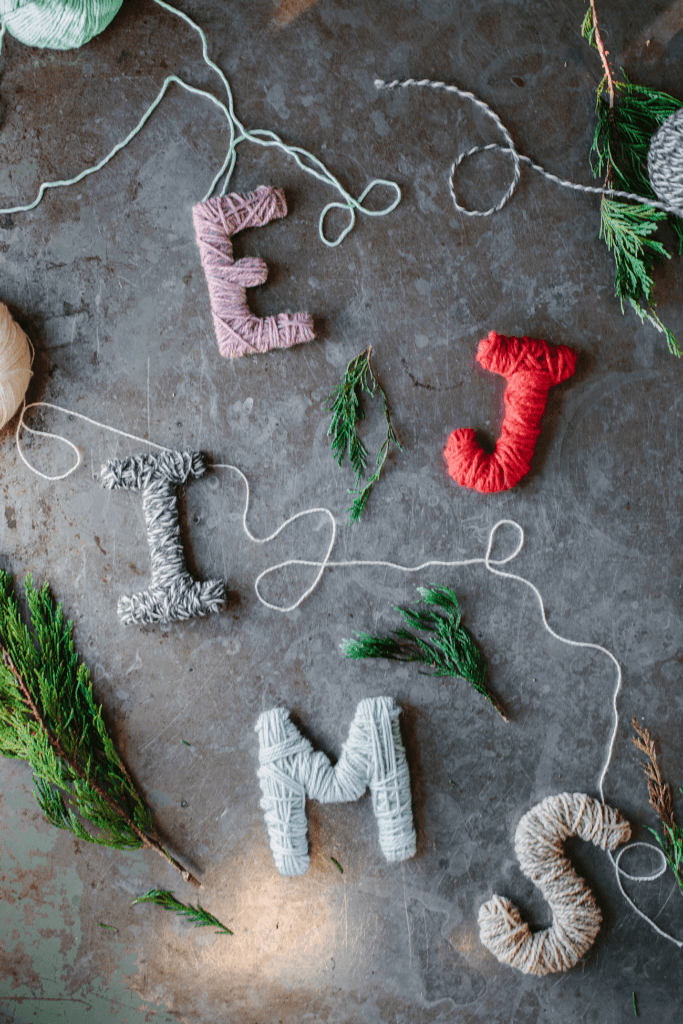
column 173, row 593
column 531, row 367
column 238, row 331
column 576, row 918
column 373, row 756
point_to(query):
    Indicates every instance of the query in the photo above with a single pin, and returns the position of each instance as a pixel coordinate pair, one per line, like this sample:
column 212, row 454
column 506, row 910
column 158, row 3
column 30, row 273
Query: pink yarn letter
column 238, row 331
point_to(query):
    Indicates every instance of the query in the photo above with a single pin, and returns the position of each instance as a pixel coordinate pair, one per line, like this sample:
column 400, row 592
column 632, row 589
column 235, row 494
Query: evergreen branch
column 450, row 650
column 661, row 801
column 625, row 126
column 347, row 411
column 49, row 717
column 197, row 915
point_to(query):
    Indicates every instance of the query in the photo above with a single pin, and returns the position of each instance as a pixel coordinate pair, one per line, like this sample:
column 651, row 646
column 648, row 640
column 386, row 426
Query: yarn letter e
column 539, row 843
column 373, row 756
column 173, row 593
column 531, row 367
column 238, row 331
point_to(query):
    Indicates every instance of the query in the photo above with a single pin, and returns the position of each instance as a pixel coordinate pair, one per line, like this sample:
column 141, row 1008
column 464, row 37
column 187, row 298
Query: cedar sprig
column 450, row 649
column 196, row 915
column 628, row 117
column 661, row 801
column 347, row 411
column 50, row 718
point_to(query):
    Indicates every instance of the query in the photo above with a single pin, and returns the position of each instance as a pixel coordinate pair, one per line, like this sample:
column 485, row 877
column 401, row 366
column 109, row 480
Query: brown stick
column 603, row 54
column 150, row 842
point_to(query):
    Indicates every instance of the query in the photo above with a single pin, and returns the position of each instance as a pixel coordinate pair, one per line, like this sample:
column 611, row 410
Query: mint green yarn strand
column 265, row 137
column 237, row 133
column 121, row 145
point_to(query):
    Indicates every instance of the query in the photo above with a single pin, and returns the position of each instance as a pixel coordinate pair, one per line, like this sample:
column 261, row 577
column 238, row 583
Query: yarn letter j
column 373, row 756
column 531, row 367
column 238, row 331
column 173, row 593
column 539, row 843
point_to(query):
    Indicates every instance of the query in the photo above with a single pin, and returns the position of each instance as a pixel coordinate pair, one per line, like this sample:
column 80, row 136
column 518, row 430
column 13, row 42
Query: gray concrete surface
column 106, row 279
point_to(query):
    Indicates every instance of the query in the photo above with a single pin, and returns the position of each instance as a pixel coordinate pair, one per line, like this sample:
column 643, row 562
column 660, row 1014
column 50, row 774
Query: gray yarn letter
column 373, row 756
column 173, row 593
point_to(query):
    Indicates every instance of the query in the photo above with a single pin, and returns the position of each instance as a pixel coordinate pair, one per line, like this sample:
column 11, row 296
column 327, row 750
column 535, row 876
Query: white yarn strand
column 490, row 564
column 539, row 842
column 426, row 83
column 373, row 756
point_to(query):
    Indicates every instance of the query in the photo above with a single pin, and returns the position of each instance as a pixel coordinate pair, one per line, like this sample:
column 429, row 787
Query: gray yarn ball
column 665, row 160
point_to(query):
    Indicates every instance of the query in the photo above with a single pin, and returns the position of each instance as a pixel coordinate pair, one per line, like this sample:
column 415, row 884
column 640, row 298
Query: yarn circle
column 15, row 365
column 665, row 160
column 59, row 24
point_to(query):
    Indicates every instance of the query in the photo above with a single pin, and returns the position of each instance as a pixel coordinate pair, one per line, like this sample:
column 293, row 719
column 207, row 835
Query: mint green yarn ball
column 57, row 24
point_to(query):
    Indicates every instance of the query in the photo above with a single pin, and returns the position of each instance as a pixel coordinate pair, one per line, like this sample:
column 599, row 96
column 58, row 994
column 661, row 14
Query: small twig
column 603, row 54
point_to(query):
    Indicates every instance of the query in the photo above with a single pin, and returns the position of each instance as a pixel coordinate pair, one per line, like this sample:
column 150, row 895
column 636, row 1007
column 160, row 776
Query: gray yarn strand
column 173, row 593
column 539, row 842
column 373, row 755
column 663, row 162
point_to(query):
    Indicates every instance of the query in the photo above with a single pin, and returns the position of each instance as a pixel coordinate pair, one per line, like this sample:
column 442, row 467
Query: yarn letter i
column 173, row 593
column 373, row 756
column 238, row 331
column 539, row 843
column 531, row 367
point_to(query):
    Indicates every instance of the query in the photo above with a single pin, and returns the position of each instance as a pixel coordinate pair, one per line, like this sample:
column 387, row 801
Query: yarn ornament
column 373, row 755
column 15, row 365
column 174, row 594
column 539, row 843
column 57, row 24
column 238, row 331
column 531, row 367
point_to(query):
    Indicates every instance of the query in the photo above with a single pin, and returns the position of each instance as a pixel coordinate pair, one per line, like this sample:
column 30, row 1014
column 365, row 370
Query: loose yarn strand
column 426, row 83
column 491, row 564
column 308, row 163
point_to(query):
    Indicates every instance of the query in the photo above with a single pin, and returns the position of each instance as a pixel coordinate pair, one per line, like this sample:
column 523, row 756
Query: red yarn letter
column 238, row 331
column 531, row 367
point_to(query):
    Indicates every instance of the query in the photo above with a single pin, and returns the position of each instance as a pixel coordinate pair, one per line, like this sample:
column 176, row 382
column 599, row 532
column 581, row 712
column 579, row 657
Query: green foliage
column 661, row 801
column 345, row 405
column 619, row 155
column 672, row 847
column 197, row 915
column 50, row 718
column 588, row 29
column 450, row 650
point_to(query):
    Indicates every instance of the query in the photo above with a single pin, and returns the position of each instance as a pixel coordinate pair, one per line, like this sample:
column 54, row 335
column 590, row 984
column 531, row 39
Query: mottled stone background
column 105, row 277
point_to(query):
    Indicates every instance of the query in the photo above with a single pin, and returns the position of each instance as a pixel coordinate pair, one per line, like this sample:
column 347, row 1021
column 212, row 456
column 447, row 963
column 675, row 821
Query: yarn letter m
column 373, row 755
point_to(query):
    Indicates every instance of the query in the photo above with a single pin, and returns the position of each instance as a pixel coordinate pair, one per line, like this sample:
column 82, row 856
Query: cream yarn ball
column 15, row 365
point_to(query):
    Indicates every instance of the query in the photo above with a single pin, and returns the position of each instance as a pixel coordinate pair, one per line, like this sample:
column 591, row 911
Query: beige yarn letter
column 539, row 843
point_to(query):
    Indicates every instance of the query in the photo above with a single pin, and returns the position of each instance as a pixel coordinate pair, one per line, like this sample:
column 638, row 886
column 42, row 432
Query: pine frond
column 619, row 155
column 49, row 718
column 588, row 29
column 661, row 801
column 196, row 915
column 449, row 649
column 347, row 411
